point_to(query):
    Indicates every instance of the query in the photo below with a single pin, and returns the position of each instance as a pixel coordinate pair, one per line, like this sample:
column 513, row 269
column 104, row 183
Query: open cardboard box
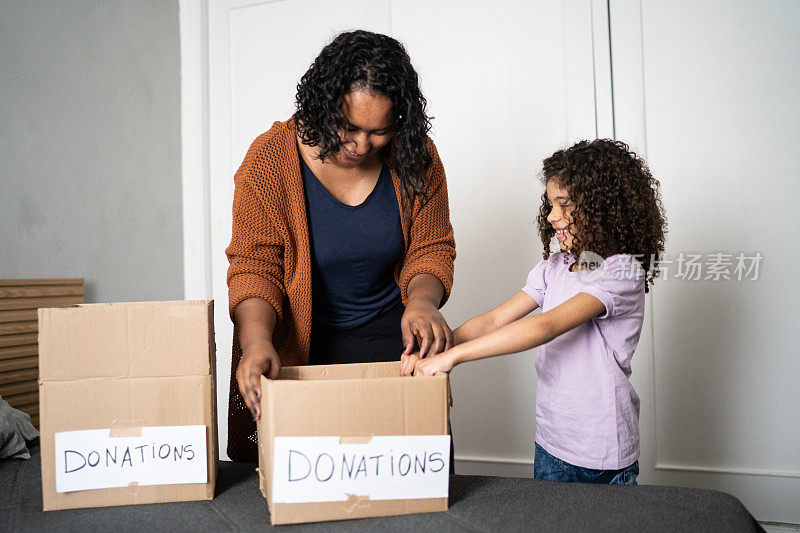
column 356, row 472
column 127, row 370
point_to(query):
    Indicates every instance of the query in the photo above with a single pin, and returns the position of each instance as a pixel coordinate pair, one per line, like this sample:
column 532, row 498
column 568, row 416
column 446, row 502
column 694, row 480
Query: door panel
column 257, row 53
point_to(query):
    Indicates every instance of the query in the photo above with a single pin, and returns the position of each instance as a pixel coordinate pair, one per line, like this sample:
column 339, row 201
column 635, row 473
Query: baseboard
column 493, row 466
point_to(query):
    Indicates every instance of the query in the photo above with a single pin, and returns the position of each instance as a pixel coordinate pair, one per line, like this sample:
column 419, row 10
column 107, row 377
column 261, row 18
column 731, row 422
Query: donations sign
column 329, row 469
column 165, row 455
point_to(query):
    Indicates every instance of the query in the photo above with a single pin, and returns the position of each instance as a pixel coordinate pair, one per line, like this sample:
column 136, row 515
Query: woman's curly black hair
column 362, row 60
column 617, row 203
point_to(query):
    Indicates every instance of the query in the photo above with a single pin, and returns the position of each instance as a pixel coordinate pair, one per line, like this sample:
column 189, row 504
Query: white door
column 508, row 82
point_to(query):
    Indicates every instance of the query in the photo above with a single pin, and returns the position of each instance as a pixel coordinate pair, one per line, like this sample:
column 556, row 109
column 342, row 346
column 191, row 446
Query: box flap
column 351, row 407
column 389, row 369
column 118, row 340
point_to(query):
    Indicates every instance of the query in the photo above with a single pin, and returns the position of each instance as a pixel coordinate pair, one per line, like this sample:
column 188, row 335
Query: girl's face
column 367, row 128
column 560, row 216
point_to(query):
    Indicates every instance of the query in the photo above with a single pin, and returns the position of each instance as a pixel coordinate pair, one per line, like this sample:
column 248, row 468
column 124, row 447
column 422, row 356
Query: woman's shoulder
column 271, row 164
column 435, row 174
column 436, row 161
column 431, row 146
column 275, row 142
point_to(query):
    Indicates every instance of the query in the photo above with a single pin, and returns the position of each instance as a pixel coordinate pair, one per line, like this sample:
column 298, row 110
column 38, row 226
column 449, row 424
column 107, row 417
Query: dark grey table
column 477, row 503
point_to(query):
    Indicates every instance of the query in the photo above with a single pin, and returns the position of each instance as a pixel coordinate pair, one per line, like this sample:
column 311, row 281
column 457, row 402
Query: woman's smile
column 352, row 156
column 368, row 126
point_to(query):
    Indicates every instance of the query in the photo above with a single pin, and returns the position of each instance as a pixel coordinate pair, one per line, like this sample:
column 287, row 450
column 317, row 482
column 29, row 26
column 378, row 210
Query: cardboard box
column 124, row 369
column 357, row 406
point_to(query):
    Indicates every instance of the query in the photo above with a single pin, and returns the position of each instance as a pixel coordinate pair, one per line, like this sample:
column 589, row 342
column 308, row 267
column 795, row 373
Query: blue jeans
column 550, row 467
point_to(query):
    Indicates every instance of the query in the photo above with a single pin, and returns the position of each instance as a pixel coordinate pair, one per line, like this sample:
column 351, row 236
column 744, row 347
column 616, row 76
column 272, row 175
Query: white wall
column 707, row 92
column 90, row 183
column 703, row 90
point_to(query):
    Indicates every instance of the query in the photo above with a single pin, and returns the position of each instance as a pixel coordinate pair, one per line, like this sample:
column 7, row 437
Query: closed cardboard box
column 352, row 441
column 127, row 397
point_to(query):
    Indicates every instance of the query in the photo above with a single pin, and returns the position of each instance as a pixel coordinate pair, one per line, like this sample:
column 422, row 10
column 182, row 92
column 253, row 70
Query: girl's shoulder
column 618, row 263
column 547, row 267
column 557, row 260
column 624, row 266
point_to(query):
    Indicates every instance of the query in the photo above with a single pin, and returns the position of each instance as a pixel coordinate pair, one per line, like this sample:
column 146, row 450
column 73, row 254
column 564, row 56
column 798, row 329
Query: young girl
column 604, row 207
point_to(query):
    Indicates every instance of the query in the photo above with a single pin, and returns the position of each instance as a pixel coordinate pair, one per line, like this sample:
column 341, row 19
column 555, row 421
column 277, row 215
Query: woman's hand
column 256, row 320
column 423, row 321
column 258, row 360
column 444, row 362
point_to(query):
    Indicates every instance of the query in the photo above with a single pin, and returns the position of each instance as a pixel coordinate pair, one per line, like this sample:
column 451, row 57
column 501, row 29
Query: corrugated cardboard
column 126, row 365
column 354, row 400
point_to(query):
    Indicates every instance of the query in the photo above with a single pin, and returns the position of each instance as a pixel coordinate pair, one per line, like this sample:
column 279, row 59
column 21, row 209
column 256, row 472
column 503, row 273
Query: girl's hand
column 408, row 362
column 444, row 362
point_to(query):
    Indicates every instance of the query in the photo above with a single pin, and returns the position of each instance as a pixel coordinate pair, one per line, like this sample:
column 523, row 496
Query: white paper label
column 320, row 469
column 165, row 455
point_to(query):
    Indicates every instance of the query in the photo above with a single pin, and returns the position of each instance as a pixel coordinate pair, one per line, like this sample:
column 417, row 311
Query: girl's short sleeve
column 536, row 284
column 618, row 284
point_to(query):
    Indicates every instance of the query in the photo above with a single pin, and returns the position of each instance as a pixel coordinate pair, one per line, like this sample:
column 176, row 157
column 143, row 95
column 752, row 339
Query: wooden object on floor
column 19, row 356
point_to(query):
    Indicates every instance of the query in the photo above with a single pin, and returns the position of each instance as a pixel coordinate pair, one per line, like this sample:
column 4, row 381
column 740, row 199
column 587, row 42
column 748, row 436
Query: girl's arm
column 517, row 336
column 512, row 309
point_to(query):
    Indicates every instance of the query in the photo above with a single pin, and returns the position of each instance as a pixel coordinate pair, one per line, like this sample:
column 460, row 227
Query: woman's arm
column 255, row 283
column 426, row 275
column 517, row 336
column 255, row 319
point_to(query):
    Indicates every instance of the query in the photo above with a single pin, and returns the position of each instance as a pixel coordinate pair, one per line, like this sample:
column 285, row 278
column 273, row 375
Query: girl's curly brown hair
column 617, row 203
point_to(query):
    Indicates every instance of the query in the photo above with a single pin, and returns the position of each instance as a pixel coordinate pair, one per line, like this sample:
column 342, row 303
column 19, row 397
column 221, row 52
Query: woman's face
column 560, row 216
column 367, row 128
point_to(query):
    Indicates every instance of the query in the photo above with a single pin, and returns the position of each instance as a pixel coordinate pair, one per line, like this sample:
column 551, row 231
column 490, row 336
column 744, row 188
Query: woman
column 342, row 248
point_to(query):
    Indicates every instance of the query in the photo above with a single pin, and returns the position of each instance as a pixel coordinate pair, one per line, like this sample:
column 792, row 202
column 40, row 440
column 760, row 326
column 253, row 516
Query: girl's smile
column 560, row 217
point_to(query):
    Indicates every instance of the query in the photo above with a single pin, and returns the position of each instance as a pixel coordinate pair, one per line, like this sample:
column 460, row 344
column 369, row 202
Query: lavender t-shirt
column 587, row 412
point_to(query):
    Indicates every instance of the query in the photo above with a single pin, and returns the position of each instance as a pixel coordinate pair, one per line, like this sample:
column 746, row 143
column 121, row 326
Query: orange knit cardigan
column 270, row 257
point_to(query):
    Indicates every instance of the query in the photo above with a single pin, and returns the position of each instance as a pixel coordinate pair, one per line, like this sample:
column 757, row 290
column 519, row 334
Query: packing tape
column 353, row 502
column 126, row 428
column 355, row 439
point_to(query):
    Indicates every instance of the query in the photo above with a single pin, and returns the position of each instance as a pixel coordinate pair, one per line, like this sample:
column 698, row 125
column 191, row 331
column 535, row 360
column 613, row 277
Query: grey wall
column 90, row 181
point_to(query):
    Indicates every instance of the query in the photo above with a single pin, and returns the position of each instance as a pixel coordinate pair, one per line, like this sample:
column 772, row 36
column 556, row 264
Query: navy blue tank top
column 354, row 251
